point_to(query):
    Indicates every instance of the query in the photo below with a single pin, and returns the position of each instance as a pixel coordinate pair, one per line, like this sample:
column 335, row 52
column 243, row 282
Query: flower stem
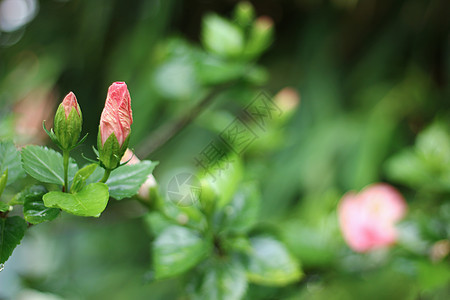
column 106, row 175
column 66, row 170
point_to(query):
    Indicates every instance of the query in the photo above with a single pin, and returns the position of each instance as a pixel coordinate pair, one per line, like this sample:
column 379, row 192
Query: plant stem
column 167, row 131
column 106, row 175
column 66, row 170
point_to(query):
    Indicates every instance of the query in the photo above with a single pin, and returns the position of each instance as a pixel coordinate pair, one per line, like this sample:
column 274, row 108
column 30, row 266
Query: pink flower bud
column 70, row 101
column 68, row 122
column 367, row 219
column 116, row 116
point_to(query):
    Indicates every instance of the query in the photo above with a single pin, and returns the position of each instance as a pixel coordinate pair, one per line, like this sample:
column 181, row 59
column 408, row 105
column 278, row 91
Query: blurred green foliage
column 373, row 79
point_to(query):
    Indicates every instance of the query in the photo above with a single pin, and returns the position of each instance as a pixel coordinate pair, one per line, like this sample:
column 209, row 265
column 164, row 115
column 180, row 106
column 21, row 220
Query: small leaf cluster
column 217, row 243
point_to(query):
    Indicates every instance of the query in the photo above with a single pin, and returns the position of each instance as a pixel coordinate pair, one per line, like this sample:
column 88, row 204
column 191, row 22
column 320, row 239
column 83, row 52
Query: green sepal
column 51, row 135
column 68, row 130
column 79, row 180
column 3, row 180
column 111, row 152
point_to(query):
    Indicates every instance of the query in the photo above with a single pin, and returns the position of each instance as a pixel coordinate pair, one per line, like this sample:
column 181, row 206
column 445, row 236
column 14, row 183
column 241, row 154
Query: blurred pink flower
column 367, row 219
column 144, row 190
column 70, row 101
column 116, row 116
column 29, row 112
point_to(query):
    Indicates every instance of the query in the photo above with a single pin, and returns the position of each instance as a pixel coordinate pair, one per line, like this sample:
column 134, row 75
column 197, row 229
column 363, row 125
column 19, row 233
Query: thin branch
column 169, row 130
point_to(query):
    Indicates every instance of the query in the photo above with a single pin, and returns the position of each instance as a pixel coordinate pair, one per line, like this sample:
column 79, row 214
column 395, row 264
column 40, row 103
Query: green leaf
column 91, row 201
column 190, row 216
column 242, row 212
column 46, row 165
column 79, row 180
column 214, row 70
column 222, row 37
column 11, row 233
column 19, row 198
column 225, row 182
column 34, row 210
column 4, row 207
column 176, row 250
column 225, row 280
column 271, row 264
column 10, row 159
column 125, row 181
column 157, row 223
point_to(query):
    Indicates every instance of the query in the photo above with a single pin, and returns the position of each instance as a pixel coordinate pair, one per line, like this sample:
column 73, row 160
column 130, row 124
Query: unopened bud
column 115, row 125
column 68, row 121
column 261, row 35
column 244, row 13
column 287, row 99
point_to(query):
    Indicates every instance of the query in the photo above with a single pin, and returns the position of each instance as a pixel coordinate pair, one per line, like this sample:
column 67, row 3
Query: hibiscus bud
column 67, row 122
column 115, row 125
column 244, row 13
column 367, row 219
column 260, row 37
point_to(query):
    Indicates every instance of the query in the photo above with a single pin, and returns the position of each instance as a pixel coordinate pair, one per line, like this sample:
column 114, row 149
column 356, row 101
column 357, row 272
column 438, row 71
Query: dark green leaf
column 125, row 181
column 34, row 210
column 46, row 165
column 91, row 201
column 225, row 280
column 270, row 264
column 33, row 190
column 10, row 159
column 79, row 180
column 176, row 250
column 11, row 233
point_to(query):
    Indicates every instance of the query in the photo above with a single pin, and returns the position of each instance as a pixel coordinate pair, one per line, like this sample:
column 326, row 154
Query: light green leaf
column 270, row 264
column 222, row 37
column 157, row 223
column 34, row 210
column 176, row 79
column 176, row 250
column 91, row 201
column 125, row 181
column 242, row 212
column 225, row 182
column 222, row 281
column 79, row 180
column 46, row 165
column 11, row 233
column 10, row 159
column 214, row 70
